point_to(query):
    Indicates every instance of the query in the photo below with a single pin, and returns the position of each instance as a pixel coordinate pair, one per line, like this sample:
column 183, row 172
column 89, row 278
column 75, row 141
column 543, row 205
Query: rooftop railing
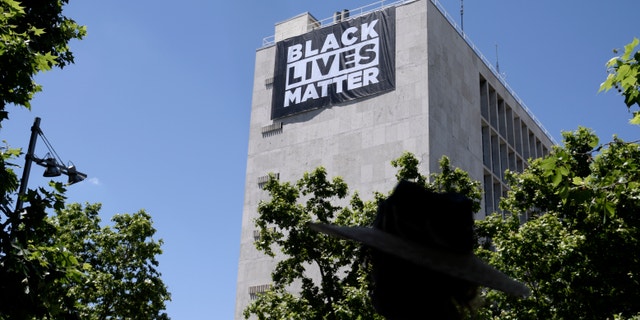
column 354, row 13
column 492, row 68
column 379, row 5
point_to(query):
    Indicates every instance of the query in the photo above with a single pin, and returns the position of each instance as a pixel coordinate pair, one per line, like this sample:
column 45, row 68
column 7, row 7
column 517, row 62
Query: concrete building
column 407, row 80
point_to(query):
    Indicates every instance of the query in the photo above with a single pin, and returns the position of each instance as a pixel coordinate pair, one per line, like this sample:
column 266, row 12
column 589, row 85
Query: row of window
column 508, row 125
column 507, row 144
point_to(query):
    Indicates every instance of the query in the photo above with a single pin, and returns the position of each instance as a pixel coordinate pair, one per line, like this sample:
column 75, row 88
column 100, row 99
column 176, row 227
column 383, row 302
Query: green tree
column 34, row 268
column 68, row 266
column 341, row 291
column 624, row 76
column 321, row 277
column 34, row 37
column 65, row 266
column 576, row 251
column 120, row 267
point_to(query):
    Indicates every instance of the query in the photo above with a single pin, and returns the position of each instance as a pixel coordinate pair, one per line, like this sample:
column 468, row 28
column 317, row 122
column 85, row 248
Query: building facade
column 353, row 93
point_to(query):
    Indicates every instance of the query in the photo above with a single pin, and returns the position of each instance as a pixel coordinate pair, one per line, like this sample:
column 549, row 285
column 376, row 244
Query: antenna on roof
column 497, row 60
column 461, row 15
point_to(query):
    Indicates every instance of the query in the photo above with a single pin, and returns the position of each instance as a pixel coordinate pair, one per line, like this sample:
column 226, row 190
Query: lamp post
column 53, row 168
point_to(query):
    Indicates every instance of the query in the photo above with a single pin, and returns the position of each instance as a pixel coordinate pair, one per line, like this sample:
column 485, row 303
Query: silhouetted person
column 421, row 245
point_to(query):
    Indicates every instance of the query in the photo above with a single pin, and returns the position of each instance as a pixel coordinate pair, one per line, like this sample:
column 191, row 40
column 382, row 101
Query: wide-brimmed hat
column 433, row 230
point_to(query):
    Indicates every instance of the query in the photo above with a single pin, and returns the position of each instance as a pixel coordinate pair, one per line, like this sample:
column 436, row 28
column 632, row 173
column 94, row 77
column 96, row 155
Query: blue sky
column 156, row 109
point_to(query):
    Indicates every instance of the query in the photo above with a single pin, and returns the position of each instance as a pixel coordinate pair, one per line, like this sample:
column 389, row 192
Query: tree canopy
column 341, row 292
column 57, row 261
column 35, row 37
column 574, row 251
column 121, row 279
column 34, row 267
column 320, row 277
column 583, row 201
column 624, row 76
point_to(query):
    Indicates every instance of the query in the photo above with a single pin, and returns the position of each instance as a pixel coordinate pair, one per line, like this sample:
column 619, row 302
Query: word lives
column 340, row 62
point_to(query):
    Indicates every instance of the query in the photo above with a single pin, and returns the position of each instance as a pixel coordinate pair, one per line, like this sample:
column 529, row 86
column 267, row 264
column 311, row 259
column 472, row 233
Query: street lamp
column 53, row 168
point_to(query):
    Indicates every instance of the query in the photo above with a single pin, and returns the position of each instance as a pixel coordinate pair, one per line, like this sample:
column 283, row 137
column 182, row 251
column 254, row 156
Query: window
column 264, row 179
column 255, row 291
column 507, row 143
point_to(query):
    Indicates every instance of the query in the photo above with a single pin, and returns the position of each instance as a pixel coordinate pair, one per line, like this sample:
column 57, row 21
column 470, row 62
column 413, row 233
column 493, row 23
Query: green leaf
column 548, row 165
column 563, row 170
column 612, row 62
column 628, row 49
column 578, row 181
column 636, row 118
column 45, row 62
column 37, row 31
column 610, row 208
column 630, row 80
column 15, row 6
column 623, row 72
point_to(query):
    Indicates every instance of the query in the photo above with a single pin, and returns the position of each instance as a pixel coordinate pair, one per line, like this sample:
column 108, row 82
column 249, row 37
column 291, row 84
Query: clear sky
column 156, row 108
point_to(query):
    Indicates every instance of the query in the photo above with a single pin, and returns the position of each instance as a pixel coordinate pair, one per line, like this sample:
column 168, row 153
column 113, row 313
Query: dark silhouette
column 421, row 246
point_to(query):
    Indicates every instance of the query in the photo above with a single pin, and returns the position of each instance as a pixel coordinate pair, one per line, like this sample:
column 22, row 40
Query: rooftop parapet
column 312, row 23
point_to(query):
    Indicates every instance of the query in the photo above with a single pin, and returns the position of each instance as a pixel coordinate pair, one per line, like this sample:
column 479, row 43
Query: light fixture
column 74, row 175
column 51, row 165
column 53, row 168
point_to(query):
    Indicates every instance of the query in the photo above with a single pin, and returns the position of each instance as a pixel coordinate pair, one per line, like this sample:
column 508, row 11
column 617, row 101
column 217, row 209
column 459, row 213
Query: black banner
column 342, row 62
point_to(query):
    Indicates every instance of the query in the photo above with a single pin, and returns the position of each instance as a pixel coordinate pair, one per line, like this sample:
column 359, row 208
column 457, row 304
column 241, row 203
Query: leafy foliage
column 574, row 251
column 33, row 266
column 341, row 292
column 624, row 75
column 34, row 37
column 65, row 266
column 68, row 266
column 331, row 276
column 119, row 264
